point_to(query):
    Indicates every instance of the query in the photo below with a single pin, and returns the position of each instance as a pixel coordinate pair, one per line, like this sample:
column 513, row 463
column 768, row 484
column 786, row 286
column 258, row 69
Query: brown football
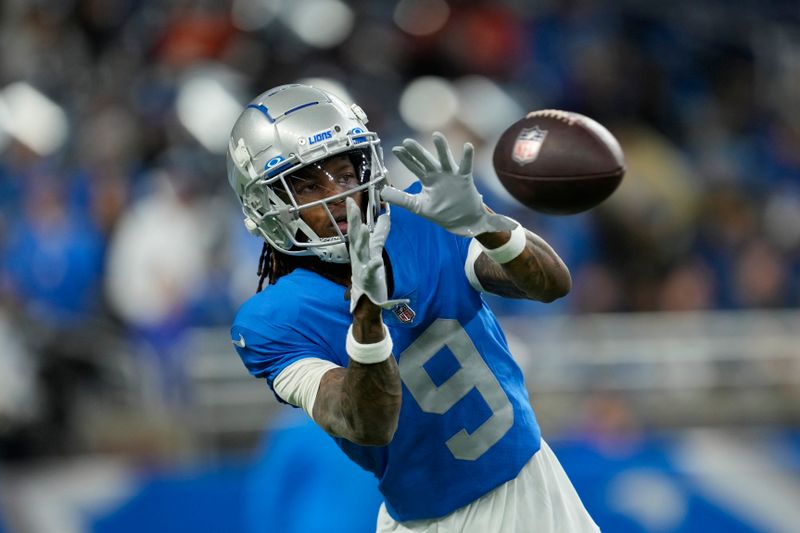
column 558, row 162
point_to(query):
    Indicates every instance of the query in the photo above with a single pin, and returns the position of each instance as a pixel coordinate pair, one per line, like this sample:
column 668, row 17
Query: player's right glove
column 448, row 197
column 366, row 258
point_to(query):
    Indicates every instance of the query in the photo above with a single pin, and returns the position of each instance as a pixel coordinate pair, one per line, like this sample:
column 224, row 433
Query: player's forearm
column 538, row 273
column 373, row 391
column 371, row 398
column 367, row 322
column 362, row 402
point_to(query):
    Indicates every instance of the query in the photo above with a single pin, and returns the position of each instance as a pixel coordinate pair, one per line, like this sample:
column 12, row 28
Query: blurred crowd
column 116, row 221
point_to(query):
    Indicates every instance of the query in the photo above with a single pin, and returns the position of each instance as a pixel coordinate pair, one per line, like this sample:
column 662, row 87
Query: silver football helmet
column 282, row 131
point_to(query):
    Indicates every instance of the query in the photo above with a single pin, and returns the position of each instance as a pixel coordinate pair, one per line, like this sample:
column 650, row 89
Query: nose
column 340, row 188
column 338, row 207
column 339, row 201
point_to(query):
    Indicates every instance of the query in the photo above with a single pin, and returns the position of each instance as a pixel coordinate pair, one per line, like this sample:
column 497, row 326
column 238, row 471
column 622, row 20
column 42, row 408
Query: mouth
column 341, row 223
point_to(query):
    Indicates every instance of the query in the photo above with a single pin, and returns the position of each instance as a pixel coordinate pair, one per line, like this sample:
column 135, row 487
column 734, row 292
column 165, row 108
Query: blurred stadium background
column 668, row 381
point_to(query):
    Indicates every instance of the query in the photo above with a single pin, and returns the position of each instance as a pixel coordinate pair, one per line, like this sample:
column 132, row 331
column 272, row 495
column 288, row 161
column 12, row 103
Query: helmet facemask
column 276, row 204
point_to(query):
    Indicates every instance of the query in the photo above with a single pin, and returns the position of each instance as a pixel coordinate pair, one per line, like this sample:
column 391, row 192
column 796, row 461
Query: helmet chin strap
column 331, row 253
column 340, row 253
column 335, row 253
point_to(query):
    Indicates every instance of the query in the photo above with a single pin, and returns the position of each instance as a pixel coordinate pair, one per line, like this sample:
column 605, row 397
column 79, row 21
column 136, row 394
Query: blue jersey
column 466, row 424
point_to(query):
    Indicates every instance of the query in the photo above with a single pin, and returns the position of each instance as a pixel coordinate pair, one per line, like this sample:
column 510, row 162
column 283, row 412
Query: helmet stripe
column 292, row 110
column 264, row 110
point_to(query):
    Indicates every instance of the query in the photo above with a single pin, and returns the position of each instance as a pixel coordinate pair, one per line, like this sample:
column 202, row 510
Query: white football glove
column 448, row 197
column 366, row 258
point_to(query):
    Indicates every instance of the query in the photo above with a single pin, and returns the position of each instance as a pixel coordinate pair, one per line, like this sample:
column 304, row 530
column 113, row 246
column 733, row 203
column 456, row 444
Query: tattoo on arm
column 360, row 403
column 537, row 273
column 494, row 279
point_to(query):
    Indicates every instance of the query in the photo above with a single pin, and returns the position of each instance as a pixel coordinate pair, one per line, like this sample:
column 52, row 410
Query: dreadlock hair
column 264, row 259
column 271, row 266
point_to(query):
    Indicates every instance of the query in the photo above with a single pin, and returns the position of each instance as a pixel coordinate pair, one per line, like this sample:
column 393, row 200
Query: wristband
column 510, row 250
column 369, row 354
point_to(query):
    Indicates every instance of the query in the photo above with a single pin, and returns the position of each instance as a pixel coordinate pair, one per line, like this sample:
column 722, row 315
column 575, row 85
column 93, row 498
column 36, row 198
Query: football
column 558, row 162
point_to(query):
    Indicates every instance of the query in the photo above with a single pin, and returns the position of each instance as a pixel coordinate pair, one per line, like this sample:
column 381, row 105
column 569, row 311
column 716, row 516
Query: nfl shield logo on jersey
column 403, row 313
column 527, row 146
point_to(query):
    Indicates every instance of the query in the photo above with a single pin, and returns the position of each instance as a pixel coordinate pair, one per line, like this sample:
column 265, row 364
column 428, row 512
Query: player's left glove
column 448, row 197
column 366, row 258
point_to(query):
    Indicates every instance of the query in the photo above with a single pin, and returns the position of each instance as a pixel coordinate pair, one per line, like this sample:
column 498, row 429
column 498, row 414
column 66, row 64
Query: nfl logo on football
column 527, row 146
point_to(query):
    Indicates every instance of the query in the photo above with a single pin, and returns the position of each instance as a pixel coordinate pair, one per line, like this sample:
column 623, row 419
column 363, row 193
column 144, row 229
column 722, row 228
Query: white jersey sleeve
column 469, row 265
column 298, row 383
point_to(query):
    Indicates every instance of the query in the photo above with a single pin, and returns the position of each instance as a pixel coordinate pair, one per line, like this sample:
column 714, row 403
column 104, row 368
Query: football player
column 383, row 337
